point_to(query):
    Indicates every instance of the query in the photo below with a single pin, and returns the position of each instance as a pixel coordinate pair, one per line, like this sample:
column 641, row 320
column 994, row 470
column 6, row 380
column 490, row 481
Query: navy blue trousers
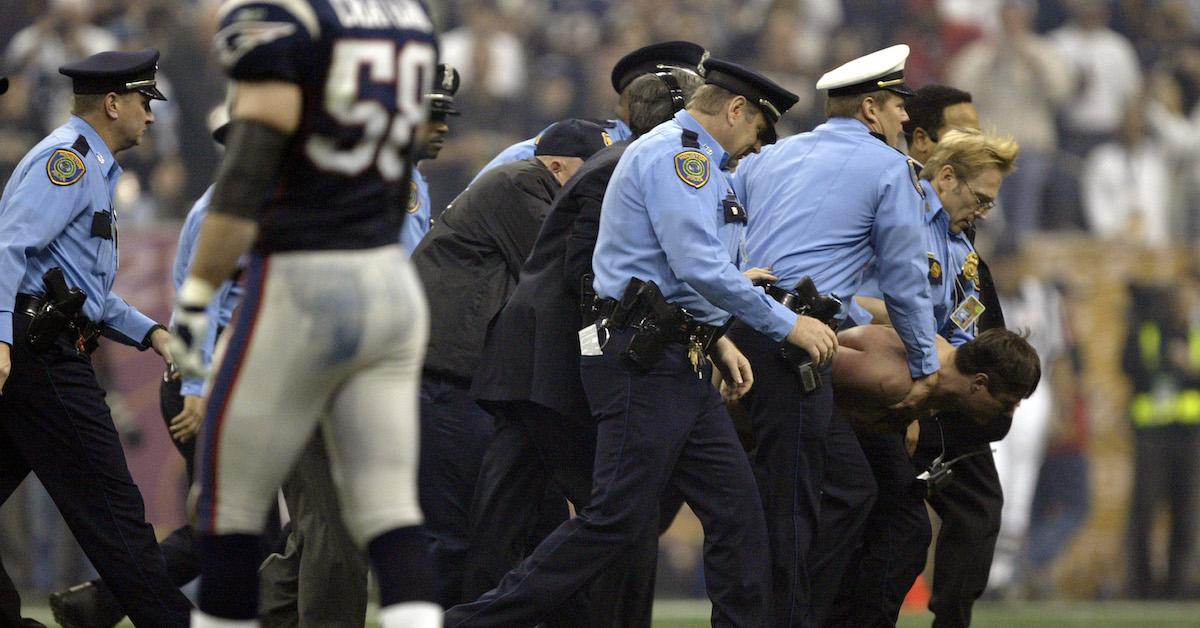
column 895, row 541
column 812, row 475
column 55, row 423
column 664, row 427
column 454, row 435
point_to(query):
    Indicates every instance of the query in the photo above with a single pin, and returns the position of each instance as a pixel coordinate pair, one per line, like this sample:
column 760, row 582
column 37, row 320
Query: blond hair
column 970, row 152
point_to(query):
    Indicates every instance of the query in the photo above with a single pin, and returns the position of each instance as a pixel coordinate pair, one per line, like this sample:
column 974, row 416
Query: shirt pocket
column 103, row 242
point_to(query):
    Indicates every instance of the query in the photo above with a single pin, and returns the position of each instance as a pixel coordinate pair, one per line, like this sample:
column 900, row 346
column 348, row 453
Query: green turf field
column 694, row 614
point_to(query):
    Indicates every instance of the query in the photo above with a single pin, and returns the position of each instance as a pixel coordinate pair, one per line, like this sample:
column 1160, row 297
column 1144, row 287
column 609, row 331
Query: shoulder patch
column 414, row 197
column 935, row 268
column 64, row 167
column 692, row 167
column 915, row 172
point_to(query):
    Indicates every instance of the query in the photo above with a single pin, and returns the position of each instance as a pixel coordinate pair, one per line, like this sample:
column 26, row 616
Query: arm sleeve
column 581, row 241
column 36, row 212
column 897, row 236
column 685, row 220
column 124, row 324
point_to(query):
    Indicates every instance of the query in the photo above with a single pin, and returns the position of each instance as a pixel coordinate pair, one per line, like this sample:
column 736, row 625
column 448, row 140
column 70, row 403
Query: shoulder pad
column 692, row 166
column 64, row 167
column 690, row 139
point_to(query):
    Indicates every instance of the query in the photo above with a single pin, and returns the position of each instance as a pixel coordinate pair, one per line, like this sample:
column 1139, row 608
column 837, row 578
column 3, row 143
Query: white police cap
column 882, row 69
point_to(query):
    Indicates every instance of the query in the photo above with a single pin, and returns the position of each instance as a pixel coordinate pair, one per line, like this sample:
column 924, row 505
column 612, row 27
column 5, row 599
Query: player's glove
column 189, row 326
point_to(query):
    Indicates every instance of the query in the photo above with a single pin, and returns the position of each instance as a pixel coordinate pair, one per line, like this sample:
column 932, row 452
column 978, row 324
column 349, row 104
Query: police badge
column 935, row 268
column 692, row 168
column 970, row 269
column 414, row 197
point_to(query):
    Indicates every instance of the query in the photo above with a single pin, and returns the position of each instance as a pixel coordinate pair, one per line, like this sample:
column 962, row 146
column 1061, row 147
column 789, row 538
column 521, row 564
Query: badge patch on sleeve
column 914, row 173
column 64, row 167
column 692, row 168
column 414, row 198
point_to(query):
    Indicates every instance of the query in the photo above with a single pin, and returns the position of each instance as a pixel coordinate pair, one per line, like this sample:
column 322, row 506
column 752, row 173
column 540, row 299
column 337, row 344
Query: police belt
column 687, row 332
column 80, row 330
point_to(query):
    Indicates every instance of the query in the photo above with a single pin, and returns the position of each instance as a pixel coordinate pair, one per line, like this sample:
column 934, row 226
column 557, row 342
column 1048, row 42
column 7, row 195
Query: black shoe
column 31, row 623
column 87, row 605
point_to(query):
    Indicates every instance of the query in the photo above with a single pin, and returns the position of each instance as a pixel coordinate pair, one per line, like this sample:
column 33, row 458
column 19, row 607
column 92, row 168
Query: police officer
column 57, row 219
column 959, row 180
column 431, row 138
column 684, row 55
column 665, row 265
column 824, row 203
column 529, row 380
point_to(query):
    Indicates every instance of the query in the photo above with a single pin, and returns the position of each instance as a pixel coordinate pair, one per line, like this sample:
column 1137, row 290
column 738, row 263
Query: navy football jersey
column 363, row 67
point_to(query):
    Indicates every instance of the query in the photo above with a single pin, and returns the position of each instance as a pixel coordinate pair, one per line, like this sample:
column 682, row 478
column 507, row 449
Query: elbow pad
column 248, row 172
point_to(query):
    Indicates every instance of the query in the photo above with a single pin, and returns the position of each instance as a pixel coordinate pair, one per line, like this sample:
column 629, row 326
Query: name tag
column 589, row 341
column 734, row 212
column 967, row 312
column 102, row 225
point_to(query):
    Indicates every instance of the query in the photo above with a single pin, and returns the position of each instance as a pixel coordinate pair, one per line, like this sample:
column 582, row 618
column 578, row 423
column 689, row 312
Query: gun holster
column 805, row 301
column 57, row 311
column 656, row 323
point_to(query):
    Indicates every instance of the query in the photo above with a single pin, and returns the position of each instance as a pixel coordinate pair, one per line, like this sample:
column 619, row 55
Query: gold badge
column 970, row 268
column 414, row 197
column 692, row 168
column 606, row 137
column 935, row 268
column 64, row 167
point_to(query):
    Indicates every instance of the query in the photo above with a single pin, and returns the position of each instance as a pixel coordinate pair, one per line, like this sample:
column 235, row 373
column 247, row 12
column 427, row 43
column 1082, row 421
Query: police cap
column 882, row 69
column 114, row 71
column 445, row 86
column 670, row 54
column 772, row 99
column 572, row 138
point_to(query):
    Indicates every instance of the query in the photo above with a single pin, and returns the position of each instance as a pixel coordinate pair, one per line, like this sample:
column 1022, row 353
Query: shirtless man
column 984, row 378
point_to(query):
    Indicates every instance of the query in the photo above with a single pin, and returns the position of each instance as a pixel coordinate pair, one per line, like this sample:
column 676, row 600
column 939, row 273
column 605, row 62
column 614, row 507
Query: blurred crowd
column 1103, row 96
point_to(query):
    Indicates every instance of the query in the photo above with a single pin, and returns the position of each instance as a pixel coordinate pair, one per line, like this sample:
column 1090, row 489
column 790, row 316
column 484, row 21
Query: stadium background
column 1110, row 255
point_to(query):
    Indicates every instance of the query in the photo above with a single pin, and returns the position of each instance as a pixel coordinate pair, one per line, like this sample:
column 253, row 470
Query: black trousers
column 55, row 423
column 969, row 507
column 10, row 601
column 817, row 488
column 1164, row 472
column 536, row 451
column 661, row 427
column 895, row 540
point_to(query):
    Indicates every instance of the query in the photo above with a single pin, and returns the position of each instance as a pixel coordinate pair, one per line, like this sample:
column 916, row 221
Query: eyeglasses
column 985, row 203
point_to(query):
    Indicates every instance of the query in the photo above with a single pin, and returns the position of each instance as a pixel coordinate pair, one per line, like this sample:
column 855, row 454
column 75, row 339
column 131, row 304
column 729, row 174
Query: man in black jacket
column 469, row 264
column 529, row 380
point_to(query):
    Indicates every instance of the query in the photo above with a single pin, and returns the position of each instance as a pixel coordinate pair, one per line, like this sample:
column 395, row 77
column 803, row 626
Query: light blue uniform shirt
column 220, row 308
column 823, row 203
column 44, row 224
column 656, row 226
column 619, row 131
column 417, row 223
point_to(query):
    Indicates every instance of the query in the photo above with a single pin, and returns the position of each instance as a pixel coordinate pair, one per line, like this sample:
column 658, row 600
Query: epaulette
column 691, row 139
column 81, row 146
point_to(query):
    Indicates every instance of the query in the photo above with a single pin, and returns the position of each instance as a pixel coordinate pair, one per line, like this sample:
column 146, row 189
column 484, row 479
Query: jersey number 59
column 386, row 135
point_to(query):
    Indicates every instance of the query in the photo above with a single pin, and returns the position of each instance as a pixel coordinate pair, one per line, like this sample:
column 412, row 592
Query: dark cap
column 3, row 84
column 119, row 72
column 773, row 100
column 572, row 138
column 671, row 54
column 445, row 86
column 880, row 70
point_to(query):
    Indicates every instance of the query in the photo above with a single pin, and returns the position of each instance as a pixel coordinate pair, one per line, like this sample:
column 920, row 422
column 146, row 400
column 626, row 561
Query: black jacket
column 470, row 260
column 532, row 351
